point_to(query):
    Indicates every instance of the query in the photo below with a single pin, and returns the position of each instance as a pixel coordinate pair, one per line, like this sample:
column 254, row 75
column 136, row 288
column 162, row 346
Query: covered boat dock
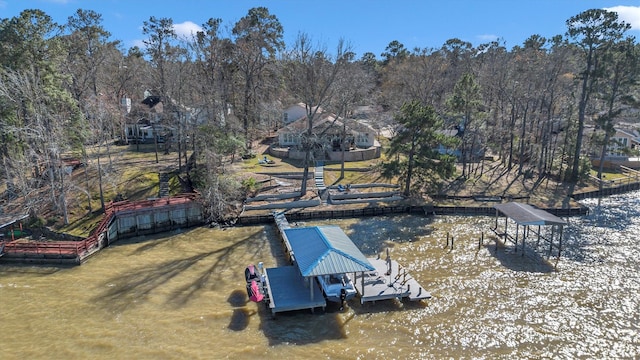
column 528, row 216
column 327, row 250
column 313, row 251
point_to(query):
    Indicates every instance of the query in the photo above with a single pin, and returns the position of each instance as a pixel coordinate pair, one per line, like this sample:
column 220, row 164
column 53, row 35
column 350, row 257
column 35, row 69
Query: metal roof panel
column 323, row 250
column 525, row 214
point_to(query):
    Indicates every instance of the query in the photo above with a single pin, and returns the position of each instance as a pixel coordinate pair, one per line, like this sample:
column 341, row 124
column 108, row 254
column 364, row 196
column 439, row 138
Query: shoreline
column 340, row 211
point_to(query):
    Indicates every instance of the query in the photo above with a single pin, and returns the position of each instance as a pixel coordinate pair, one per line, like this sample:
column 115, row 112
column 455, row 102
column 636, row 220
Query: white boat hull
column 337, row 288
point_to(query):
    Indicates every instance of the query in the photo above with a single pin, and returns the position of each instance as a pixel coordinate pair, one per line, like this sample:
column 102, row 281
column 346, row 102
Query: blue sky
column 369, row 25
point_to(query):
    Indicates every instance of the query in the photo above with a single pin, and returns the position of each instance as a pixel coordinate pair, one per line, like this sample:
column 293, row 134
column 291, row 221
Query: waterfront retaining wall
column 121, row 220
column 614, row 190
column 427, row 210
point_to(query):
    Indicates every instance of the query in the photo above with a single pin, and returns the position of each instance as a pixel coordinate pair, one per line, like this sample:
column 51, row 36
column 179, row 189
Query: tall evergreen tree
column 419, row 151
column 593, row 32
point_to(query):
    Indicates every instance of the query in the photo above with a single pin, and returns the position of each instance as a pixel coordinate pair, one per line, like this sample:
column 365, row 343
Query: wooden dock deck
column 282, row 224
column 289, row 291
column 379, row 285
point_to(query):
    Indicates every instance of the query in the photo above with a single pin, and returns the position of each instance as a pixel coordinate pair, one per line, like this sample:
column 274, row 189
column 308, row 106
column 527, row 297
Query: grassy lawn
column 130, row 173
column 607, row 175
column 134, row 174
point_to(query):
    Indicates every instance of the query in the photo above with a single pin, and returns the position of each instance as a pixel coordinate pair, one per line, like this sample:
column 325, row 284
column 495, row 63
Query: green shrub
column 250, row 184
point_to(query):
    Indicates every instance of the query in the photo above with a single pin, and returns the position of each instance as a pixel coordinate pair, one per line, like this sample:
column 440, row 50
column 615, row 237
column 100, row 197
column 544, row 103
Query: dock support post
column 559, row 246
column 525, row 233
column 362, row 297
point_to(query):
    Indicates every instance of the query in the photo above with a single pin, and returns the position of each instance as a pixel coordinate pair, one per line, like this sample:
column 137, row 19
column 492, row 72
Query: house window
column 362, row 138
column 617, row 145
column 290, row 138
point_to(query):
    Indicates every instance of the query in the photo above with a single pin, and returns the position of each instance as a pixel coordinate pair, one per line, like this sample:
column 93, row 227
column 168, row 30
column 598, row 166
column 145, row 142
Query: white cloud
column 186, row 29
column 628, row 14
column 487, row 37
column 183, row 30
column 139, row 43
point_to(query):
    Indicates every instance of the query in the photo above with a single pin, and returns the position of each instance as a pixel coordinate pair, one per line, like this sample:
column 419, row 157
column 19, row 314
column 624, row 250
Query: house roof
column 327, row 120
column 324, row 250
column 525, row 214
column 301, row 124
column 151, row 100
column 10, row 219
column 629, row 133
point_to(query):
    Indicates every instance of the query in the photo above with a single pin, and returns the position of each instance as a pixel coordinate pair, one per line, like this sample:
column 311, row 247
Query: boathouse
column 313, row 251
column 327, row 250
column 526, row 216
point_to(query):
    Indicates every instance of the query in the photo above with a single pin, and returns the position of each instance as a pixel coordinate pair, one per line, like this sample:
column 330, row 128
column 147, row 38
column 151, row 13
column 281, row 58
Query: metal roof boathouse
column 526, row 215
column 318, row 251
column 313, row 251
column 325, row 250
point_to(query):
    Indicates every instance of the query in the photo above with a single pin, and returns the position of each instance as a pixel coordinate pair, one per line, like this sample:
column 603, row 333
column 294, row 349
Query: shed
column 526, row 215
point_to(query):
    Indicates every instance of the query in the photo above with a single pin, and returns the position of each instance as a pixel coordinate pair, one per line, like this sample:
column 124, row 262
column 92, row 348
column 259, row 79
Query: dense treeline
column 62, row 88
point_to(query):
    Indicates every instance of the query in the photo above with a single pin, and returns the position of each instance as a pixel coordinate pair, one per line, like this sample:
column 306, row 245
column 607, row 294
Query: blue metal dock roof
column 324, row 250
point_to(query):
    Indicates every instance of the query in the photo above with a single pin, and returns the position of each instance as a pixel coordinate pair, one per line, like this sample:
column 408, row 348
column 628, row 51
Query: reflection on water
column 182, row 295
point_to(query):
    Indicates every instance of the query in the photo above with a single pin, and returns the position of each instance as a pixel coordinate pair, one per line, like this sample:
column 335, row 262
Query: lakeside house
column 622, row 150
column 296, row 112
column 332, row 135
column 623, row 141
column 155, row 117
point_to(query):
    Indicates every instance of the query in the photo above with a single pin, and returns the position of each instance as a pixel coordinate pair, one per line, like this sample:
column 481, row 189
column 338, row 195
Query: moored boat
column 337, row 287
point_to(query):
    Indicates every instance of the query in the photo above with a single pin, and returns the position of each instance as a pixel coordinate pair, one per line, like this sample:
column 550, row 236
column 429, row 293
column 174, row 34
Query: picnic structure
column 528, row 216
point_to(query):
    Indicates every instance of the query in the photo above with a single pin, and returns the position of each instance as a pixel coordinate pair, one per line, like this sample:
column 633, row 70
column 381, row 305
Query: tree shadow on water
column 125, row 291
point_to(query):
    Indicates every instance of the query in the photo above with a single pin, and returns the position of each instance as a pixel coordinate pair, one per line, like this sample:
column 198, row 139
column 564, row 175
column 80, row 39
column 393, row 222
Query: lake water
column 182, row 296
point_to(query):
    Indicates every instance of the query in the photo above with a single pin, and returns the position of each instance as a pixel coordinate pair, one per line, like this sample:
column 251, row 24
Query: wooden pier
column 383, row 284
column 289, row 291
column 282, row 224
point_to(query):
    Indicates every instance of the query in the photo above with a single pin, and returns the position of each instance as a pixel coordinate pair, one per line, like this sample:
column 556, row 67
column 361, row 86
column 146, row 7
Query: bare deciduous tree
column 310, row 73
